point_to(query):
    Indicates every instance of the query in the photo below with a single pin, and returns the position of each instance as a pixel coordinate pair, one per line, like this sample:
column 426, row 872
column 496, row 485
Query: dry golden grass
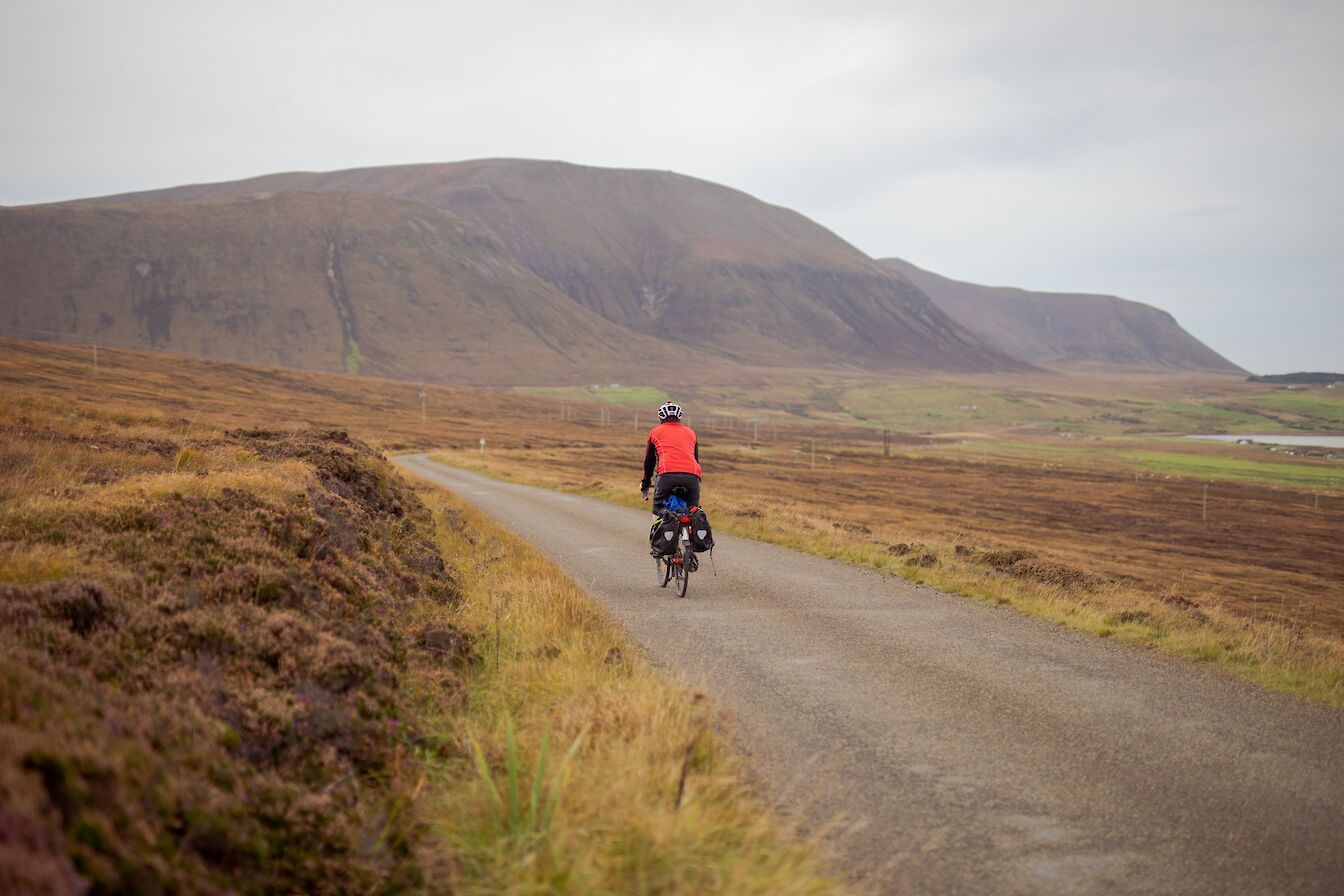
column 650, row 801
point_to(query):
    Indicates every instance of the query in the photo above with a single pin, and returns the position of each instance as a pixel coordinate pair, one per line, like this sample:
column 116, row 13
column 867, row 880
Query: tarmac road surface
column 955, row 747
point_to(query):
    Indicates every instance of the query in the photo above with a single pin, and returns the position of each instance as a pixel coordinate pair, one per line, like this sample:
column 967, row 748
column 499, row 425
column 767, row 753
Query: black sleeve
column 697, row 451
column 650, row 463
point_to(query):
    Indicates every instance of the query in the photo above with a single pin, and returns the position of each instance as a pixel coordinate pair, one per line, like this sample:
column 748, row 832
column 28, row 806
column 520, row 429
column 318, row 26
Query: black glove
column 644, row 489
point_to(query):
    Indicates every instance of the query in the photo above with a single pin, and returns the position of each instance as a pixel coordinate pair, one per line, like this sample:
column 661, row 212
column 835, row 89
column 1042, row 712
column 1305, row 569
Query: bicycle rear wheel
column 662, row 571
column 683, row 568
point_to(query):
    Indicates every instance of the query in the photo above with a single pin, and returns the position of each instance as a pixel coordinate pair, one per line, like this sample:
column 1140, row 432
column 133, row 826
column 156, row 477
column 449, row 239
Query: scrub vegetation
column 203, row 658
column 239, row 654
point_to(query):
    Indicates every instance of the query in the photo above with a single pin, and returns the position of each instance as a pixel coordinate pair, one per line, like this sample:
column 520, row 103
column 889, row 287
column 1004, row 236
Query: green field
column 1320, row 409
column 1214, row 467
column 1205, row 461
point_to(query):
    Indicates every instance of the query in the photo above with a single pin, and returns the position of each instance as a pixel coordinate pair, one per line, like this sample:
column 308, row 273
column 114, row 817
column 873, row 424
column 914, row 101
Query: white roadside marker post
column 423, row 397
column 482, row 447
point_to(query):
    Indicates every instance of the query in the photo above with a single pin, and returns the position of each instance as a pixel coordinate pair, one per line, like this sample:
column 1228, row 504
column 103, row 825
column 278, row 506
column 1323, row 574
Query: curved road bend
column 965, row 748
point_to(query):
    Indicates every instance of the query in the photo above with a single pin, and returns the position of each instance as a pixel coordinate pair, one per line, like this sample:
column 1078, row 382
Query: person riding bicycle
column 673, row 455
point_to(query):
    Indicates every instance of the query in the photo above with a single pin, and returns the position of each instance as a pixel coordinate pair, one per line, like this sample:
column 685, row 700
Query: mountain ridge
column 653, row 250
column 492, row 271
column 1053, row 327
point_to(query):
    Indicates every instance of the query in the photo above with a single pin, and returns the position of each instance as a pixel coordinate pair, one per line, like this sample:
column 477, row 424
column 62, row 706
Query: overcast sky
column 1186, row 154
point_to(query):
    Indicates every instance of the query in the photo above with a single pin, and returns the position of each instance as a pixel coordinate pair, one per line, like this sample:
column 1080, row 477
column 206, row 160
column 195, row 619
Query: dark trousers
column 685, row 485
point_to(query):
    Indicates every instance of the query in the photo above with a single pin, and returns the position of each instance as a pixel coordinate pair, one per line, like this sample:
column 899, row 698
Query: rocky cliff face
column 1044, row 327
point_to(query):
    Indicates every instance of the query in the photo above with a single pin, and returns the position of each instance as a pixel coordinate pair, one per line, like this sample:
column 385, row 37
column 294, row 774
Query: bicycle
column 682, row 561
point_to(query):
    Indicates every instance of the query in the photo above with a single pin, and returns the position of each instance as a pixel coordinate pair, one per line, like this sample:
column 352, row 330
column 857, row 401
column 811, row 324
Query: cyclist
column 673, row 455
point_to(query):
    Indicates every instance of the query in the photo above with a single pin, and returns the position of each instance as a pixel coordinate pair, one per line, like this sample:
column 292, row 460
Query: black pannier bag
column 702, row 537
column 663, row 533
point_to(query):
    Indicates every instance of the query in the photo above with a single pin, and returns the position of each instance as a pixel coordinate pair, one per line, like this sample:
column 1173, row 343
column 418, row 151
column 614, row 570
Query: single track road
column 953, row 747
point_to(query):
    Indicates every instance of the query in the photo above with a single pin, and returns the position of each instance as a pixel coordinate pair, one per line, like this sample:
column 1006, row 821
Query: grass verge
column 571, row 766
column 1286, row 657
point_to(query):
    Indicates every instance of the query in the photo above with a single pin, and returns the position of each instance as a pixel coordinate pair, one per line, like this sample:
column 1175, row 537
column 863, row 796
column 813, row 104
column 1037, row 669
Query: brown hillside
column 321, row 281
column 1045, row 327
column 656, row 252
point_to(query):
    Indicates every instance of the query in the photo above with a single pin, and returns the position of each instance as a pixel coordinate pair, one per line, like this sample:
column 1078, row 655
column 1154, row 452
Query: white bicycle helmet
column 669, row 411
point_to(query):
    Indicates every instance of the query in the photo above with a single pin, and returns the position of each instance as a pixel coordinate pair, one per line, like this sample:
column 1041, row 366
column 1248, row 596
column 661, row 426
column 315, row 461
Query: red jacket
column 672, row 448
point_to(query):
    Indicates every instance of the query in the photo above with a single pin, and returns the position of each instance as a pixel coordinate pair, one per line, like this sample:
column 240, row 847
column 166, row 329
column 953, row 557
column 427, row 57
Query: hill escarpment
column 1045, row 327
column 355, row 283
column 667, row 256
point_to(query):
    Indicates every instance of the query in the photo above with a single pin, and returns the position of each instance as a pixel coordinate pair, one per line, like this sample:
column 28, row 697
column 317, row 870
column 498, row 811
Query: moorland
column 1074, row 493
column 242, row 653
